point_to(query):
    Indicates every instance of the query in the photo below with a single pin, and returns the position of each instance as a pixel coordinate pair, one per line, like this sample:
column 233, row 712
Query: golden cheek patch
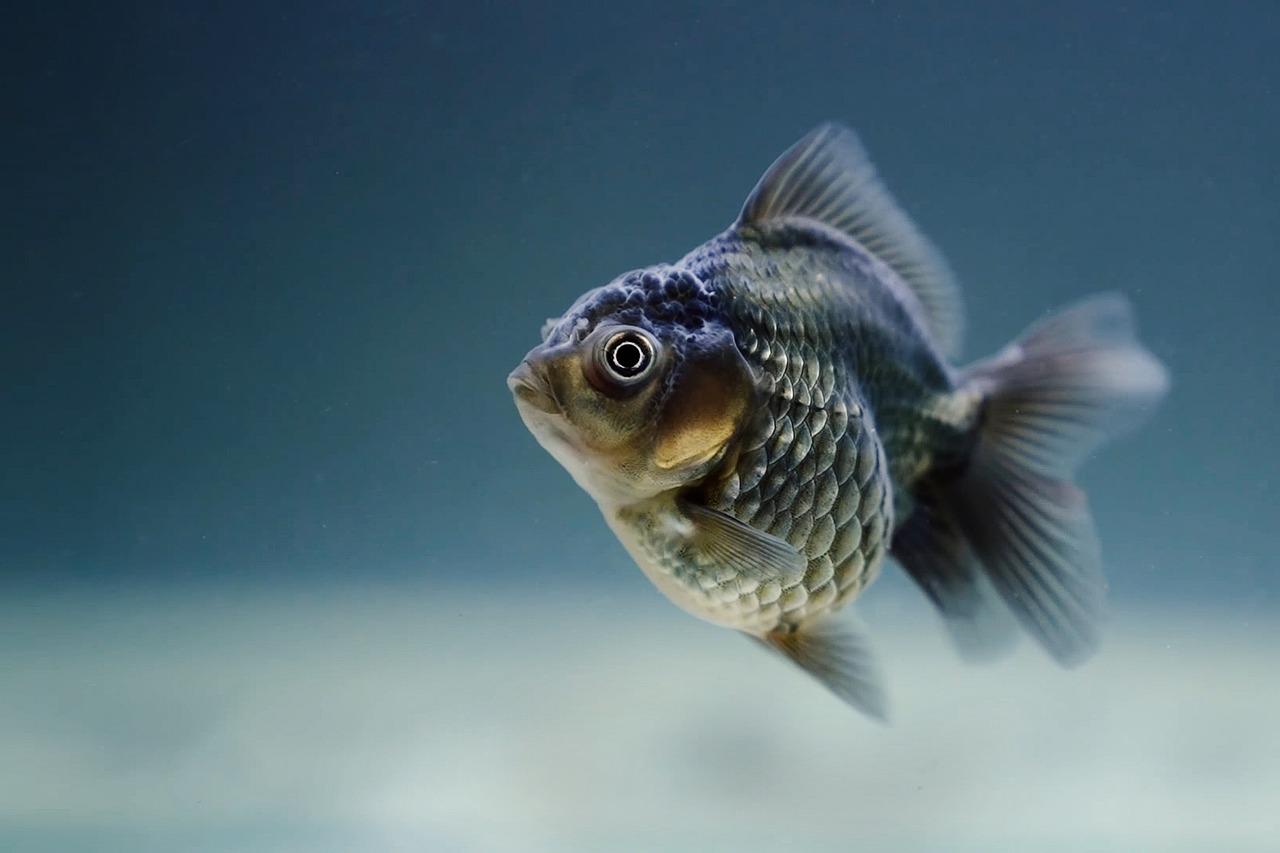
column 702, row 414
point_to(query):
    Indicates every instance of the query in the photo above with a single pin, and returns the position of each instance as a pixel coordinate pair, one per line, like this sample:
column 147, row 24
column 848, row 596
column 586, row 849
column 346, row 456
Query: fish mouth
column 532, row 389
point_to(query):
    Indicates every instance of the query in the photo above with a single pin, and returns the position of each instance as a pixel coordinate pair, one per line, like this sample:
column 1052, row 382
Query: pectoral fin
column 724, row 543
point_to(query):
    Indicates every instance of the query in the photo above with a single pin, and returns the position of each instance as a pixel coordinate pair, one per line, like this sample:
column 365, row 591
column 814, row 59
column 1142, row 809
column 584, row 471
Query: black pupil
column 629, row 357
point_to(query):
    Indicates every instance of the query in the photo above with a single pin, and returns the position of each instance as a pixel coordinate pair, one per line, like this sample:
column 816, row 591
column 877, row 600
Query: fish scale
column 812, row 471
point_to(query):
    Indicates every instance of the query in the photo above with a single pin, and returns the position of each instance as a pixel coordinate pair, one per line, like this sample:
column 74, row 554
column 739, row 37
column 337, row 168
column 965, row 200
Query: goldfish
column 765, row 421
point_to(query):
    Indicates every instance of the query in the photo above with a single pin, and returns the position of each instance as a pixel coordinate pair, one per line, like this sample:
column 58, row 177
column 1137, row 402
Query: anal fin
column 933, row 550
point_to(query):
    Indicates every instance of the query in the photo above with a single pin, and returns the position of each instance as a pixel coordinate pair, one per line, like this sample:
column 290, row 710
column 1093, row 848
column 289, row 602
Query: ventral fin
column 723, row 542
column 840, row 658
column 827, row 177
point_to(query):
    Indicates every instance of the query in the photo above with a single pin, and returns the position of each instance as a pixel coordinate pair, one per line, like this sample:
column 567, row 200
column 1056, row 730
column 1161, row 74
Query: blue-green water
column 282, row 570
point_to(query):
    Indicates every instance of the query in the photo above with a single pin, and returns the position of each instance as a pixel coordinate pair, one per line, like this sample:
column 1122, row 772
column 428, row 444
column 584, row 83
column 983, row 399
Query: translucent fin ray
column 1049, row 399
column 827, row 177
column 726, row 543
column 933, row 550
column 839, row 658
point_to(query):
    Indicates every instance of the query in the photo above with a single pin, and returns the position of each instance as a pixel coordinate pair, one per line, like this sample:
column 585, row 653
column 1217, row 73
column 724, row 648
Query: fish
column 765, row 421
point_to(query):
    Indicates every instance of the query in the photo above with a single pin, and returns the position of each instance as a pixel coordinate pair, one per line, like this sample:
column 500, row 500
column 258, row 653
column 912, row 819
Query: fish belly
column 816, row 478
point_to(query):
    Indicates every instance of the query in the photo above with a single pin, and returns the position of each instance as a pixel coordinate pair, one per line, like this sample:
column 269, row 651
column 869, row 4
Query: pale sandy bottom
column 428, row 719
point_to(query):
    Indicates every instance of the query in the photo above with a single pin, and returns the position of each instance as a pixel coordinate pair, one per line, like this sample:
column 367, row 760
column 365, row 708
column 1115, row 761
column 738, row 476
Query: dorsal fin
column 828, row 178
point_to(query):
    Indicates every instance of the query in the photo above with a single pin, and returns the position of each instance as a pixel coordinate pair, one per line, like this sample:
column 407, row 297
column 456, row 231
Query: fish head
column 638, row 389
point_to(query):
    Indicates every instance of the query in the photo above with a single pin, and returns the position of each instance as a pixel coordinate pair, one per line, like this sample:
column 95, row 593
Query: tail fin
column 1049, row 399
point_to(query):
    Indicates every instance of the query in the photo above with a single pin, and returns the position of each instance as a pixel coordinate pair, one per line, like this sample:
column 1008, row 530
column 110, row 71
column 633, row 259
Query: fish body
column 764, row 420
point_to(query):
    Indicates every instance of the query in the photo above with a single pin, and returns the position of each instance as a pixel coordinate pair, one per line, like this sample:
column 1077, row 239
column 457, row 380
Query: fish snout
column 530, row 387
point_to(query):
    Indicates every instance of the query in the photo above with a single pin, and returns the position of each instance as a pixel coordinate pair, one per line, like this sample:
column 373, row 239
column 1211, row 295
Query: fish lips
column 545, row 418
column 531, row 388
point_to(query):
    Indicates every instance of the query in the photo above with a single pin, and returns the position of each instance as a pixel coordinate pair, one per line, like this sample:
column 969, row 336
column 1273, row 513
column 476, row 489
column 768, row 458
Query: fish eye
column 628, row 354
column 623, row 359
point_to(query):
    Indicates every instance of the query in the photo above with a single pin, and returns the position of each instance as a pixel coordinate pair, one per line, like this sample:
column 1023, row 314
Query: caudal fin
column 1049, row 399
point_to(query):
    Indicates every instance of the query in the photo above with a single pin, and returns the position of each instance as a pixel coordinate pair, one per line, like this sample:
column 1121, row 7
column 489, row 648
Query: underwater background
column 280, row 568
